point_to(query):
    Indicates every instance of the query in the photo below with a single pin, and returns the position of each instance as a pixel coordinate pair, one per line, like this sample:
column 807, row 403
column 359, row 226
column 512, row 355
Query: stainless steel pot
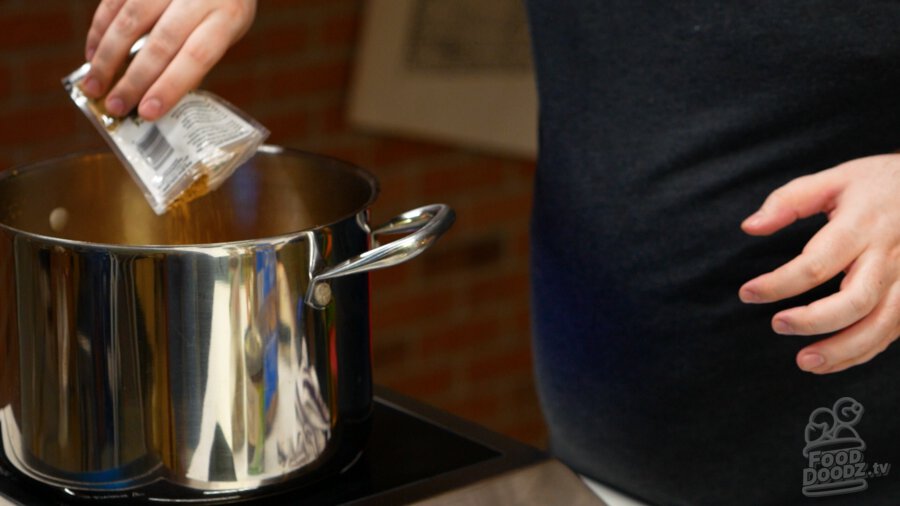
column 199, row 355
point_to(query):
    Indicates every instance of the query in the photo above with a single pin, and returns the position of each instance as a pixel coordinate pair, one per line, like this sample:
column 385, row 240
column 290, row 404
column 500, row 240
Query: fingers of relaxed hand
column 862, row 290
column 828, row 253
column 202, row 49
column 800, row 198
column 857, row 344
column 133, row 20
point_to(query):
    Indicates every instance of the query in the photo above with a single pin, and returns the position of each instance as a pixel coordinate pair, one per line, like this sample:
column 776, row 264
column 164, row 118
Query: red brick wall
column 450, row 327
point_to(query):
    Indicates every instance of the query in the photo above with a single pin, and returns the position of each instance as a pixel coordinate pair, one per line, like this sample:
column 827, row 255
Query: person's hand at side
column 186, row 38
column 861, row 238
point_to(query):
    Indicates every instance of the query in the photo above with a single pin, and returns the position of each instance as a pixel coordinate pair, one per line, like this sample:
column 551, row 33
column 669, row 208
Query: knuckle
column 781, row 194
column 160, row 47
column 94, row 34
column 811, row 327
column 878, row 349
column 234, row 10
column 854, row 346
column 861, row 301
column 128, row 20
column 803, row 324
column 815, row 270
column 777, row 198
column 112, row 6
column 125, row 25
column 239, row 15
column 238, row 10
column 857, row 348
column 200, row 54
column 786, row 194
column 878, row 341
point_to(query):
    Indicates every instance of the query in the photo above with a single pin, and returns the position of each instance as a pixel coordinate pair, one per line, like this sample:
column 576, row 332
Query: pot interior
column 92, row 198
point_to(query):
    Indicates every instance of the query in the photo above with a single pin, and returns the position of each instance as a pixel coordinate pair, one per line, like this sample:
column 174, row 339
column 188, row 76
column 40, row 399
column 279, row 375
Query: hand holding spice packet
column 185, row 154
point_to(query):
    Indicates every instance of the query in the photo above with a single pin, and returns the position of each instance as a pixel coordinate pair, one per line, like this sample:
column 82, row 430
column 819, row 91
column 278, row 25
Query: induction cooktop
column 415, row 454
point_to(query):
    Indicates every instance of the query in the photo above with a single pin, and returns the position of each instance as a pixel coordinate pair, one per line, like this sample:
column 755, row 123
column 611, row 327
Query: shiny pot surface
column 214, row 352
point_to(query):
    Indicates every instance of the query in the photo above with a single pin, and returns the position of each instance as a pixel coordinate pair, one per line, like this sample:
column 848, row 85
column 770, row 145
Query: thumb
column 800, row 198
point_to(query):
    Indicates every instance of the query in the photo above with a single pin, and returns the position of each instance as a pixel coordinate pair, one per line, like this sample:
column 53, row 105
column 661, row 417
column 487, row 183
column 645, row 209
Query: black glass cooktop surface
column 414, row 452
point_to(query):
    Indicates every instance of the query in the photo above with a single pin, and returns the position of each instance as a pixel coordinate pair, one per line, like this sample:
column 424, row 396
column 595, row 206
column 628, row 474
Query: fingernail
column 754, row 220
column 89, row 53
column 91, row 87
column 782, row 327
column 810, row 361
column 749, row 296
column 115, row 106
column 150, row 108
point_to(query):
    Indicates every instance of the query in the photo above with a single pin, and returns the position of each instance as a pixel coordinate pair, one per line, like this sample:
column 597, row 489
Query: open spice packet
column 185, row 154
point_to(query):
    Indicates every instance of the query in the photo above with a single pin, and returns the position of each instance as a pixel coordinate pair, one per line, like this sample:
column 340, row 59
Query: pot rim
column 269, row 149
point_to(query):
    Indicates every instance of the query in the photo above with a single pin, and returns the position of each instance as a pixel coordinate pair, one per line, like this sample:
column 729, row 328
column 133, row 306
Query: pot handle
column 424, row 225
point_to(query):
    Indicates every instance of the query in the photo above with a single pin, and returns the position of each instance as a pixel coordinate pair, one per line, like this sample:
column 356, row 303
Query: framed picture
column 456, row 71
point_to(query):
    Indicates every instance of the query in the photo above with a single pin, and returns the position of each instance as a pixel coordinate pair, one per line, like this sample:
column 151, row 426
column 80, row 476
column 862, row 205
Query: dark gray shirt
column 663, row 125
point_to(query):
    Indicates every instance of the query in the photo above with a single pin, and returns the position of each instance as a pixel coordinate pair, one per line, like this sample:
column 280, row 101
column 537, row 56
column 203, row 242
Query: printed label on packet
column 188, row 152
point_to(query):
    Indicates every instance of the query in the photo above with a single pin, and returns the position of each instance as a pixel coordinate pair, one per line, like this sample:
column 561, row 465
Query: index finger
column 103, row 17
column 799, row 198
column 132, row 21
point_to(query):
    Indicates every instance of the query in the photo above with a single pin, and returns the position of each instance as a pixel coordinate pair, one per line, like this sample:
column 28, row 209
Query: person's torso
column 663, row 125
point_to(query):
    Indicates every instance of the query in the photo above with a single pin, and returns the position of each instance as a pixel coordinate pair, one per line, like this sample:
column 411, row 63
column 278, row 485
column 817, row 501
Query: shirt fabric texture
column 662, row 126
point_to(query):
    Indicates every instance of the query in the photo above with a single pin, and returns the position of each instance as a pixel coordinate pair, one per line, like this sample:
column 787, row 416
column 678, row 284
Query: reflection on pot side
column 116, row 379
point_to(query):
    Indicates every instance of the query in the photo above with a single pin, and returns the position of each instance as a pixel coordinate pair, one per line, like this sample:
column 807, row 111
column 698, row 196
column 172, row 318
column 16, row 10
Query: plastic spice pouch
column 185, row 154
